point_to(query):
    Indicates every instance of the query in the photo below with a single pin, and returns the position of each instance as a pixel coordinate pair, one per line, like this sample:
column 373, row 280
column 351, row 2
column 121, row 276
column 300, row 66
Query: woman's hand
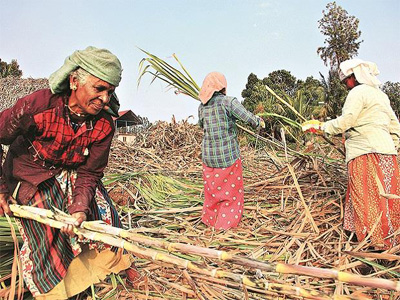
column 313, row 126
column 69, row 228
column 4, row 208
column 261, row 122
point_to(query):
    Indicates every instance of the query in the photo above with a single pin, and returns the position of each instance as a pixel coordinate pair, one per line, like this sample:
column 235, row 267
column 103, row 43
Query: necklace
column 75, row 113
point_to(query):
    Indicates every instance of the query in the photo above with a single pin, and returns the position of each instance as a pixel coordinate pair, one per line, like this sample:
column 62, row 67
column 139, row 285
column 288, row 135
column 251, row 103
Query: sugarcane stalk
column 306, row 209
column 105, row 233
column 277, row 288
column 107, row 238
column 259, row 137
column 247, row 262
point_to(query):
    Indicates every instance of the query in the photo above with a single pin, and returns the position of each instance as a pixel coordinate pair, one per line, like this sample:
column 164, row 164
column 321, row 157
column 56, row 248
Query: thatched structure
column 13, row 88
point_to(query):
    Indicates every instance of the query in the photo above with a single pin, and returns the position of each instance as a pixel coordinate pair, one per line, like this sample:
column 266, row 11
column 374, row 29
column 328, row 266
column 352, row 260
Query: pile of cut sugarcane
column 165, row 146
column 293, row 217
column 290, row 243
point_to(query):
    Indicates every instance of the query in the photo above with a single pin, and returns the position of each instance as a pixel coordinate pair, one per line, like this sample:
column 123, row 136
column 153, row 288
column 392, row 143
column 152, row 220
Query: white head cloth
column 364, row 71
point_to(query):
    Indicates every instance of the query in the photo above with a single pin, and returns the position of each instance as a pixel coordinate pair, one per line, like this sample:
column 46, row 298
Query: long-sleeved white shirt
column 368, row 121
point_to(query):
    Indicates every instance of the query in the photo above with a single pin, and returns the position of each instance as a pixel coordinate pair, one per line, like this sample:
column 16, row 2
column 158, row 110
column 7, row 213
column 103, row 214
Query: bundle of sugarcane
column 121, row 238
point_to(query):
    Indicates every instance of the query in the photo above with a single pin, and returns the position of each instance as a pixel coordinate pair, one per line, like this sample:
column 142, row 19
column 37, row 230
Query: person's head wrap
column 214, row 82
column 364, row 71
column 100, row 63
column 342, row 76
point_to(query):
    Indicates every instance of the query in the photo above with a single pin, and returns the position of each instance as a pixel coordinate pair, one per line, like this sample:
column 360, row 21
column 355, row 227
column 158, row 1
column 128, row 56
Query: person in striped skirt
column 60, row 139
column 372, row 133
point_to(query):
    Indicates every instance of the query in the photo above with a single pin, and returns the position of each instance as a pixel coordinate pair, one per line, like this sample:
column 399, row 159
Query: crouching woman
column 59, row 141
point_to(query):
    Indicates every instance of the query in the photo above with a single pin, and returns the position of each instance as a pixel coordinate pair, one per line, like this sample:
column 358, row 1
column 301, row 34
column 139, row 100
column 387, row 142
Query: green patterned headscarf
column 98, row 62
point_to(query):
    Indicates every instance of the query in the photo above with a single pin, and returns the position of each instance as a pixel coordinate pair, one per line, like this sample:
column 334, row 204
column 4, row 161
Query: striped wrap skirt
column 47, row 253
column 372, row 204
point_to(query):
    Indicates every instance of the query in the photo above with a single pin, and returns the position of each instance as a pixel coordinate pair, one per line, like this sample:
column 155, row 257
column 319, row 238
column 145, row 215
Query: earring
column 73, row 87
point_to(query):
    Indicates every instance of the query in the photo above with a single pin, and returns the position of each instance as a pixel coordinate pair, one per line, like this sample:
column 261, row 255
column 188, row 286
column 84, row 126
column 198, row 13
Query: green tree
column 342, row 34
column 257, row 99
column 392, row 89
column 303, row 96
column 312, row 89
column 334, row 95
column 251, row 81
column 11, row 69
column 282, row 81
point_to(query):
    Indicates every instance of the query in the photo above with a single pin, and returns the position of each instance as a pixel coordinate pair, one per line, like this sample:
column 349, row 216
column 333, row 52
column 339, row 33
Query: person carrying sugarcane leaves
column 60, row 139
column 372, row 133
column 222, row 166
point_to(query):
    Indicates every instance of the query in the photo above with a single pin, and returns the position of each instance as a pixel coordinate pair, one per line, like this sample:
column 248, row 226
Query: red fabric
column 365, row 206
column 224, row 196
column 57, row 142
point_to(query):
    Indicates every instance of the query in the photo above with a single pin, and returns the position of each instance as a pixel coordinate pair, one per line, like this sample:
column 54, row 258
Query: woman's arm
column 14, row 122
column 350, row 112
column 90, row 173
column 241, row 113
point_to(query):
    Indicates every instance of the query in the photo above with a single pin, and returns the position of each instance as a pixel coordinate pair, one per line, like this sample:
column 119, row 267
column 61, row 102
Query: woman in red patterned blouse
column 59, row 141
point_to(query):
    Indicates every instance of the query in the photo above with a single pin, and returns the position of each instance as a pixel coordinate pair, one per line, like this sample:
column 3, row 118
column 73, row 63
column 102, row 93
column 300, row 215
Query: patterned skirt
column 47, row 253
column 371, row 178
column 224, row 196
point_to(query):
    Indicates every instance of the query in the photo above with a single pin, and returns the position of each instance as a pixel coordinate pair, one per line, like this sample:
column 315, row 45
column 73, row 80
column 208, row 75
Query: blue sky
column 233, row 37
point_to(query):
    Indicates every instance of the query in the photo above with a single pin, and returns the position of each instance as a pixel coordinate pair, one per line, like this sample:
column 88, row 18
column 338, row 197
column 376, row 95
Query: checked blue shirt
column 220, row 147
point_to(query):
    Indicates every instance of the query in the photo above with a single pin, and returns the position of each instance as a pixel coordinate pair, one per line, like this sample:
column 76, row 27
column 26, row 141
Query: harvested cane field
column 293, row 214
column 293, row 217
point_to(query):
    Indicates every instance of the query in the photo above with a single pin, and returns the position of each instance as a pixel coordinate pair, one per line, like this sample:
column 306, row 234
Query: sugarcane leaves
column 7, row 248
column 158, row 68
column 127, row 176
column 283, row 118
column 379, row 267
column 285, row 103
column 187, row 73
column 157, row 190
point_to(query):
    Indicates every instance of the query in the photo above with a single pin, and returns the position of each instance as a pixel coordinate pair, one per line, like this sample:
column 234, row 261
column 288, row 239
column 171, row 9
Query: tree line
column 313, row 98
column 321, row 98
